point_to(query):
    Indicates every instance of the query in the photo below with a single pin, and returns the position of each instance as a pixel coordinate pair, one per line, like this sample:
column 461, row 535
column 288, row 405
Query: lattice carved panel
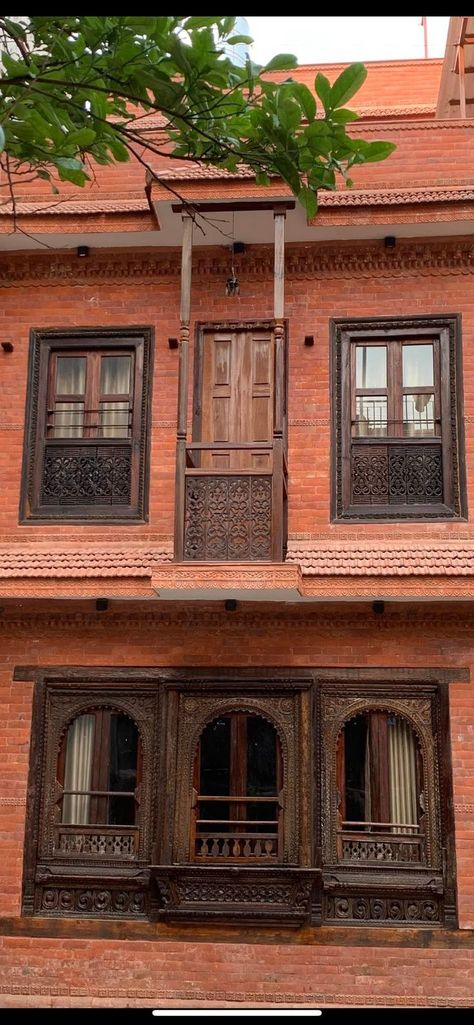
column 228, row 518
column 87, row 476
column 415, row 474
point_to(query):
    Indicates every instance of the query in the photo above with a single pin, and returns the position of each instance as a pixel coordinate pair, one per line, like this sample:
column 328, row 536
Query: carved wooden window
column 98, row 769
column 381, row 804
column 386, row 824
column 397, row 420
column 238, row 804
column 86, row 437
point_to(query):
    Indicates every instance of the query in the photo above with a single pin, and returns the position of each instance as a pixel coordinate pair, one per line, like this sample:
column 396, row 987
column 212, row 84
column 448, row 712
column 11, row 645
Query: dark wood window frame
column 123, row 461
column 379, row 880
column 372, row 464
column 310, row 881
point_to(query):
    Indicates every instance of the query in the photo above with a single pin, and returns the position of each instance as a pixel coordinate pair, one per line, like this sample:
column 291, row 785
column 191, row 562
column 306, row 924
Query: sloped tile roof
column 356, row 559
column 86, row 561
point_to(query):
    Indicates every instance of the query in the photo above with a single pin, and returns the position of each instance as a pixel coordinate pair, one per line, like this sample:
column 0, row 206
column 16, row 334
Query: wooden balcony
column 234, row 514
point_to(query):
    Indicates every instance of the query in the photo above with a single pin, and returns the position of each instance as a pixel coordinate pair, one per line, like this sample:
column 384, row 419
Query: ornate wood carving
column 91, row 901
column 269, row 895
column 91, row 476
column 228, row 518
column 338, row 708
column 88, row 850
column 195, row 710
column 341, row 908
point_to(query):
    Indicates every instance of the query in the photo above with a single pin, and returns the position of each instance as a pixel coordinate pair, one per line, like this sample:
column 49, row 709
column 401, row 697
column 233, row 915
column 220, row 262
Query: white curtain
column 70, row 380
column 402, row 774
column 114, row 380
column 78, row 770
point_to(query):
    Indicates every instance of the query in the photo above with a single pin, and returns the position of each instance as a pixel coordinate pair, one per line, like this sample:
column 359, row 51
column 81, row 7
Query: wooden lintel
column 202, row 206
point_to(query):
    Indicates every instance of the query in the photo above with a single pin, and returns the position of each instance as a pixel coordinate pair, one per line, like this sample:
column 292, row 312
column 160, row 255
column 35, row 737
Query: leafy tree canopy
column 74, row 90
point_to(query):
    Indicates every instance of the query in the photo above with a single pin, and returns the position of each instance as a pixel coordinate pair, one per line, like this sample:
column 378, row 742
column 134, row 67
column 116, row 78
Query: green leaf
column 69, row 164
column 323, row 89
column 306, row 100
column 343, row 117
column 378, row 150
column 309, row 200
column 348, row 83
column 281, row 62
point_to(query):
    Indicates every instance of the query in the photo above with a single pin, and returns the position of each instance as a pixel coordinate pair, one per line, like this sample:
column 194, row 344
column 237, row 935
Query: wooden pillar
column 278, row 482
column 181, row 434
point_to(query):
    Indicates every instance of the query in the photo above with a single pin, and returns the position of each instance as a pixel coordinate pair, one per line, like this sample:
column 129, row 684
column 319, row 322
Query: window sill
column 260, row 894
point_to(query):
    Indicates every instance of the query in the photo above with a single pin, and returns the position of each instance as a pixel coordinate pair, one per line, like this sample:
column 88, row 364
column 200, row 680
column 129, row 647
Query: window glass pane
column 78, row 770
column 371, row 366
column 357, row 770
column 215, row 769
column 261, row 758
column 418, row 415
column 418, row 369
column 371, row 416
column 114, row 419
column 70, row 375
column 122, row 769
column 261, row 771
column 115, row 375
column 68, row 420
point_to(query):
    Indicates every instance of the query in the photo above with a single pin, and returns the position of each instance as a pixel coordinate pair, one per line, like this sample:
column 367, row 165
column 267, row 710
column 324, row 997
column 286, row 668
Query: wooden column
column 181, row 434
column 278, row 483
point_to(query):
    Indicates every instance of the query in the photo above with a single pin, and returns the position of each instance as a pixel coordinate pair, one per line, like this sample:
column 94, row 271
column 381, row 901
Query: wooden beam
column 181, row 433
column 260, row 204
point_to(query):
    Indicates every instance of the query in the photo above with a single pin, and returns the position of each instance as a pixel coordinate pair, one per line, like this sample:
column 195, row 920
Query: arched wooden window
column 380, row 789
column 98, row 772
column 238, row 802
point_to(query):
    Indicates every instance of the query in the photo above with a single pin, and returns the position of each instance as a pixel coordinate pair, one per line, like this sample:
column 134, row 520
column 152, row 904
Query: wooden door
column 237, row 389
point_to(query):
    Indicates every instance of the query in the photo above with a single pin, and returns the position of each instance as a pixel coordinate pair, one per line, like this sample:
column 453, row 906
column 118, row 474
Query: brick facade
column 48, row 618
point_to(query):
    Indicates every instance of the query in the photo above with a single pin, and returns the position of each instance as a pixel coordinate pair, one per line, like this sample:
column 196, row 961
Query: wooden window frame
column 53, row 867
column 308, row 707
column 384, row 885
column 44, row 344
column 238, row 808
column 445, row 332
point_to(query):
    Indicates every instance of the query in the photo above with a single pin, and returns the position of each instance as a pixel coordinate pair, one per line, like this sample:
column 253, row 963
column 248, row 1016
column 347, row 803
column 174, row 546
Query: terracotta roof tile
column 356, row 559
column 88, row 561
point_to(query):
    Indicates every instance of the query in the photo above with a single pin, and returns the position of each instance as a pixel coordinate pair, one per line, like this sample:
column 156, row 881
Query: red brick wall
column 310, row 303
column 92, row 973
column 403, row 636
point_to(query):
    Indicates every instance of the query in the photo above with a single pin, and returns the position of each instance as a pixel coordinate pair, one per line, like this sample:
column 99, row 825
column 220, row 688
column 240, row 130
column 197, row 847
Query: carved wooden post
column 181, row 434
column 278, row 413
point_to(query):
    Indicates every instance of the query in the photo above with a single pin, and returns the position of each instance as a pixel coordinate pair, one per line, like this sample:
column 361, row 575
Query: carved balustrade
column 232, row 514
column 381, row 842
column 396, row 473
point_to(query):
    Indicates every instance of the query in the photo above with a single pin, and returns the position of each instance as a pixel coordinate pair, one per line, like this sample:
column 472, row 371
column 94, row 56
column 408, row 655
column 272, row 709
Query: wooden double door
column 234, row 398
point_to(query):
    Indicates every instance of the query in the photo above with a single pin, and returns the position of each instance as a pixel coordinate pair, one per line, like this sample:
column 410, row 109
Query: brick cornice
column 241, row 622
column 339, row 260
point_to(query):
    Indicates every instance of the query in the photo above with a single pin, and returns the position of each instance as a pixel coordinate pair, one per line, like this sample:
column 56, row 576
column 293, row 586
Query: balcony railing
column 234, row 502
column 385, row 842
column 239, row 838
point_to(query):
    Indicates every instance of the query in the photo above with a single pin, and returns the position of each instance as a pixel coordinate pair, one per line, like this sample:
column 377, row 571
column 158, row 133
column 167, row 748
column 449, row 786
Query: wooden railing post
column 278, row 412
column 181, row 433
